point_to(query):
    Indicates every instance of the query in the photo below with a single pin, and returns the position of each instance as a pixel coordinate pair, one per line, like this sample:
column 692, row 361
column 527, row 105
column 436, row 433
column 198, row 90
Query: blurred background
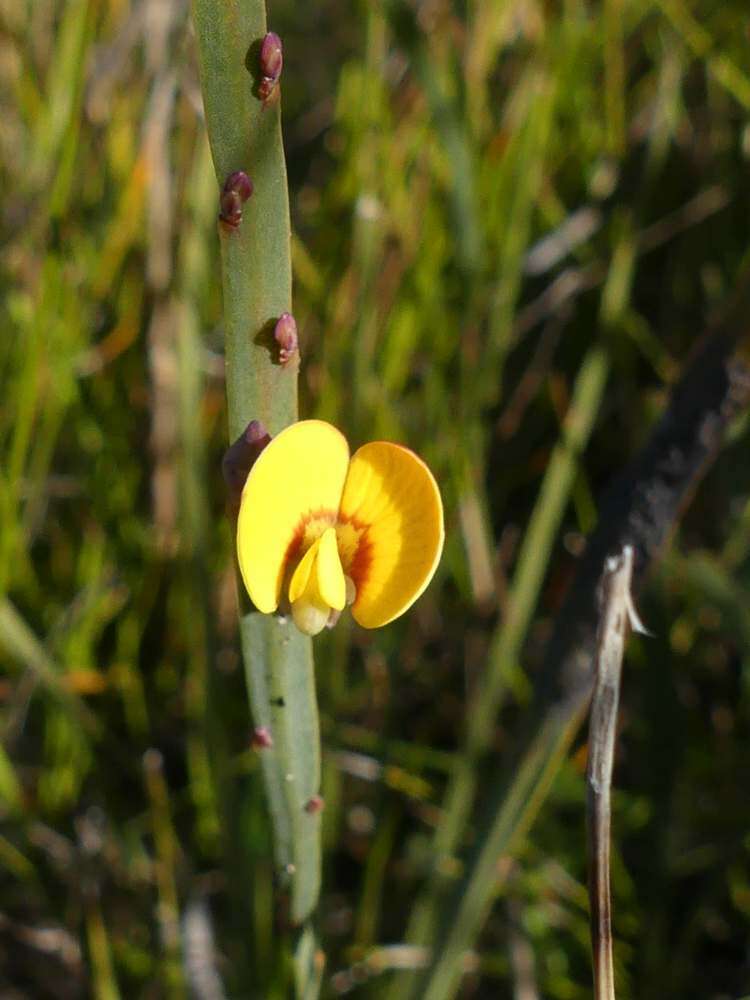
column 505, row 212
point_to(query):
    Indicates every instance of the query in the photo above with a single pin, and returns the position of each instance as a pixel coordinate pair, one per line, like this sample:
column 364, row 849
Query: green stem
column 280, row 679
column 245, row 134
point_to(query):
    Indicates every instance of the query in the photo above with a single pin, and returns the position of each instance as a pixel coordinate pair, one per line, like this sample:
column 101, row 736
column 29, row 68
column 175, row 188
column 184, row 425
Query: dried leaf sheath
column 615, row 612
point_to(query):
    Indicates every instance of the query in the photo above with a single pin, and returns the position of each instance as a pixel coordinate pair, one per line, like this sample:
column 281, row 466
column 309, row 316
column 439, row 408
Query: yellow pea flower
column 322, row 530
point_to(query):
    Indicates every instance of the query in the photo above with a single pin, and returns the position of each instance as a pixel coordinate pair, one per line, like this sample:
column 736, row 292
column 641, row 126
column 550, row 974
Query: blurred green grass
column 488, row 199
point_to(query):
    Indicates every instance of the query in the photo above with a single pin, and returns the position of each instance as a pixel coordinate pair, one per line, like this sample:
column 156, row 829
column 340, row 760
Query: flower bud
column 241, row 456
column 285, row 335
column 271, row 56
column 271, row 63
column 239, row 182
column 315, row 805
column 261, row 739
column 237, row 189
column 231, row 208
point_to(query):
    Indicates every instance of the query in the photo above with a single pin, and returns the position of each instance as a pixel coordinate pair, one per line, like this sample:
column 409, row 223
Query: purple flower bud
column 261, row 739
column 241, row 456
column 285, row 335
column 237, row 189
column 255, row 432
column 230, row 204
column 239, row 182
column 315, row 805
column 271, row 63
column 271, row 56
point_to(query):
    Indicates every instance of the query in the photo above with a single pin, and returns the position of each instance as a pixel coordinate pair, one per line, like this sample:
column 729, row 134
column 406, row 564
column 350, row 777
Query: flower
column 323, row 531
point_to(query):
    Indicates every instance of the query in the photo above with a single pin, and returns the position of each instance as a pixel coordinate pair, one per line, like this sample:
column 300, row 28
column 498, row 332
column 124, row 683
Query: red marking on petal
column 293, row 549
column 358, row 567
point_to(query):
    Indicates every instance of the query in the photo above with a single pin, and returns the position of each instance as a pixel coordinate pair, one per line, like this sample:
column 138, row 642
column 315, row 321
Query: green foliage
column 495, row 207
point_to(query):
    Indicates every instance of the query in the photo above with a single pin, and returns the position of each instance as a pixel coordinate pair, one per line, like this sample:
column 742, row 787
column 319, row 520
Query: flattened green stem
column 308, row 966
column 245, row 134
column 280, row 678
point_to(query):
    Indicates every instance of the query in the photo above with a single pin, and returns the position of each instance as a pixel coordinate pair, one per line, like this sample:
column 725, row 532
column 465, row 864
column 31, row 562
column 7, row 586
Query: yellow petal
column 297, row 480
column 319, row 577
column 330, row 575
column 309, row 610
column 301, row 576
column 390, row 530
column 317, row 585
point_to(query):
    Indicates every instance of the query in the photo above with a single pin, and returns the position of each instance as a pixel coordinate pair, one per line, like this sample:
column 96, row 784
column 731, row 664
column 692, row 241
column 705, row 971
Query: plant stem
column 245, row 134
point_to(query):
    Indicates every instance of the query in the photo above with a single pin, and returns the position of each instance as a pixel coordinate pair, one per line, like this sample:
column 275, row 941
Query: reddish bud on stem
column 261, row 739
column 241, row 456
column 315, row 804
column 239, row 182
column 285, row 335
column 271, row 63
column 231, row 208
column 237, row 189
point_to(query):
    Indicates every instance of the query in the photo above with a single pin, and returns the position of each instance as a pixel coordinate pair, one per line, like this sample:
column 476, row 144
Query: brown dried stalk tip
column 285, row 335
column 261, row 739
column 237, row 189
column 271, row 63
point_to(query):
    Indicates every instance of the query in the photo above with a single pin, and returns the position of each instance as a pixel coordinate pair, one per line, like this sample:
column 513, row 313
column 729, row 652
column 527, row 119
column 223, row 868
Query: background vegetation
column 512, row 221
